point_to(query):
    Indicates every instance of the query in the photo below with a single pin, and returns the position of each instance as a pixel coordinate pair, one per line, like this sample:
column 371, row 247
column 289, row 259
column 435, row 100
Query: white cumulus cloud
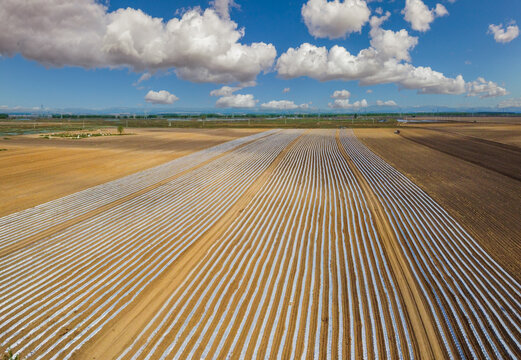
column 504, row 36
column 341, row 94
column 224, row 91
column 368, row 67
column 162, row 97
column 346, row 104
column 223, row 7
column 420, row 16
column 386, row 103
column 201, row 45
column 283, row 105
column 335, row 19
column 385, row 61
column 391, row 44
column 229, row 90
column 485, row 89
column 440, row 10
column 238, row 101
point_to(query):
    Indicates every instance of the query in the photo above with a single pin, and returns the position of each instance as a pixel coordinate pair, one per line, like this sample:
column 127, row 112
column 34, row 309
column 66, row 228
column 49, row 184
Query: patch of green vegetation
column 13, row 127
column 3, row 149
column 79, row 135
column 6, row 138
column 71, row 135
column 8, row 355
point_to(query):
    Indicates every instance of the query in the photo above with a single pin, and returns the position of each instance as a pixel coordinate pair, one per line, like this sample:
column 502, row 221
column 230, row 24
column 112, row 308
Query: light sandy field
column 284, row 244
column 35, row 170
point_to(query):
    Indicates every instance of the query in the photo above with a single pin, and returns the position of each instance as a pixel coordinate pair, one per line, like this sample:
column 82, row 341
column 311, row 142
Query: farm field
column 279, row 244
column 35, row 170
column 477, row 119
column 485, row 201
column 498, row 157
column 498, row 133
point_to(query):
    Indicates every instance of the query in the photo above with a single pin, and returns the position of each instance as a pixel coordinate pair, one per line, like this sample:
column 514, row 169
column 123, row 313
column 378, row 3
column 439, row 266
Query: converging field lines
column 285, row 244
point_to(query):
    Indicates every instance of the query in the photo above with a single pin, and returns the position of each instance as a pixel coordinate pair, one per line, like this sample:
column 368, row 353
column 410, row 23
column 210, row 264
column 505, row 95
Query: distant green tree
column 121, row 129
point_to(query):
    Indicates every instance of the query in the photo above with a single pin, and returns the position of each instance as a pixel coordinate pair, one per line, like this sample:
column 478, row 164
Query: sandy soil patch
column 34, row 170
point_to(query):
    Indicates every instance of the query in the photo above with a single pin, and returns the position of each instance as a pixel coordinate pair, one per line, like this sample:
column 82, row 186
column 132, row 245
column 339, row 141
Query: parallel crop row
column 300, row 273
column 475, row 303
column 336, row 255
column 23, row 224
column 73, row 283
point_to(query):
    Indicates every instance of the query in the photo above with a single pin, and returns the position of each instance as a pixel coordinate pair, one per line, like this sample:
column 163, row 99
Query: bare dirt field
column 498, row 157
column 498, row 133
column 35, row 170
column 477, row 119
column 483, row 200
column 283, row 244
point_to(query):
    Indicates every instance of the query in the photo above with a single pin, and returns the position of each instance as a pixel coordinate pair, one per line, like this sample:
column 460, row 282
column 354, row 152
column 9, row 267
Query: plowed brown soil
column 477, row 119
column 488, row 154
column 484, row 201
column 509, row 135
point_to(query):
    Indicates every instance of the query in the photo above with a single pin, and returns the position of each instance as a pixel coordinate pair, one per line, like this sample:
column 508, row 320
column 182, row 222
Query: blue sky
column 458, row 43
